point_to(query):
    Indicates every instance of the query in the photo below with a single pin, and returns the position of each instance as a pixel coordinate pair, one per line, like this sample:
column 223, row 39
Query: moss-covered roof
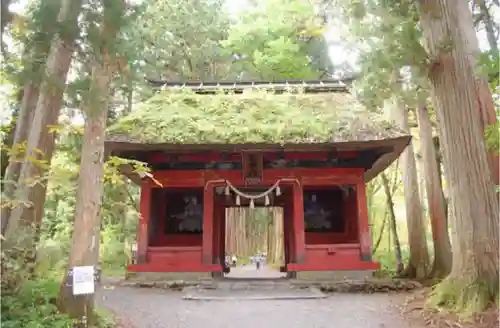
column 252, row 117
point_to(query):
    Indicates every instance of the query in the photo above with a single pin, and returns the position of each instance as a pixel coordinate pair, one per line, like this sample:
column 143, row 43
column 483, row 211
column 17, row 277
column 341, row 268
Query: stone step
column 245, row 291
column 249, row 284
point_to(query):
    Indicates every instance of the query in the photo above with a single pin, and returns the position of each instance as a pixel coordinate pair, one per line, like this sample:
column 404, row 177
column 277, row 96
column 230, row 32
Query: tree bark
column 31, row 189
column 485, row 106
column 435, row 199
column 418, row 262
column 473, row 281
column 23, row 122
column 84, row 249
column 34, row 59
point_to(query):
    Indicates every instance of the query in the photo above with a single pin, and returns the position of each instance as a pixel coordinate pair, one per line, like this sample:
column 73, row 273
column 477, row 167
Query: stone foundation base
column 188, row 277
column 333, row 276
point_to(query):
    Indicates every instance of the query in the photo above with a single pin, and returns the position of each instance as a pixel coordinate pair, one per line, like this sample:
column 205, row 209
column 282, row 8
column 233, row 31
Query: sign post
column 83, row 284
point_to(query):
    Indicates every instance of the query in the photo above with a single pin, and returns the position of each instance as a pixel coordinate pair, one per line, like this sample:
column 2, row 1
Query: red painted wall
column 180, row 257
column 330, row 251
column 177, row 240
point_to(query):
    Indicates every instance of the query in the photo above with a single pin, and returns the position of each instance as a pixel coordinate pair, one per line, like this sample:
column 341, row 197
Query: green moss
column 464, row 296
column 253, row 117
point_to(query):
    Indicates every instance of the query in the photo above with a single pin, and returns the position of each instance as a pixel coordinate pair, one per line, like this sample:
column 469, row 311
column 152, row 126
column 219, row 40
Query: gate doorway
column 255, row 237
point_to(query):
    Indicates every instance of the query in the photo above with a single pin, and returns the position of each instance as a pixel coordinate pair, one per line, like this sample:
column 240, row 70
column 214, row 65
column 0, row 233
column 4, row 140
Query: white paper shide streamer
column 239, row 194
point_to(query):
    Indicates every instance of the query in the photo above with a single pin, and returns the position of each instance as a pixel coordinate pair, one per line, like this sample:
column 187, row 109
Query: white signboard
column 83, row 280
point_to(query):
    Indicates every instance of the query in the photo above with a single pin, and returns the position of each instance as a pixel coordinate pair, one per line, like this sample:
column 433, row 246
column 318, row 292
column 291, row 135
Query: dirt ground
column 413, row 308
column 158, row 308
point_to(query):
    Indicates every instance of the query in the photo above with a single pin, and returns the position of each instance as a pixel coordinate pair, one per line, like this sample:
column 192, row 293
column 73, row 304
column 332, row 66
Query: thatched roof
column 254, row 117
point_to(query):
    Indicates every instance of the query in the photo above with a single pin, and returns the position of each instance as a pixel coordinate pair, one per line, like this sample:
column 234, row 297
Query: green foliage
column 387, row 37
column 31, row 302
column 492, row 135
column 489, row 63
column 279, row 39
column 33, row 306
column 387, row 259
column 180, row 40
column 254, row 117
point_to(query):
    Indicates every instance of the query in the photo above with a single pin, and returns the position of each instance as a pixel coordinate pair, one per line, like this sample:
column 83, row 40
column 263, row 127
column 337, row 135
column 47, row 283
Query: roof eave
column 397, row 144
column 384, row 161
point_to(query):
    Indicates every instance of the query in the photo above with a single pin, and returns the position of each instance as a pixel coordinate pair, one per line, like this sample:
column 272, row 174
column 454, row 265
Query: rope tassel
column 278, row 191
column 266, row 200
column 238, row 203
column 227, row 191
column 252, row 205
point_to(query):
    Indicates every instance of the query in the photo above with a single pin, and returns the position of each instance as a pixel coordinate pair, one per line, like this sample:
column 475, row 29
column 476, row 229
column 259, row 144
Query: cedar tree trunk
column 26, row 218
column 435, row 199
column 418, row 263
column 473, row 281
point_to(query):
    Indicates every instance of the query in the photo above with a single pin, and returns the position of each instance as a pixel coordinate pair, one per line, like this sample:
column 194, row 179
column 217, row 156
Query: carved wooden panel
column 252, row 167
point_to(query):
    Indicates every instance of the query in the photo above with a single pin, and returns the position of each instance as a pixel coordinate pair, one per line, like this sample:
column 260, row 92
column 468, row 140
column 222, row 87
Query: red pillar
column 143, row 235
column 161, row 218
column 298, row 224
column 218, row 230
column 287, row 227
column 208, row 225
column 351, row 216
column 363, row 225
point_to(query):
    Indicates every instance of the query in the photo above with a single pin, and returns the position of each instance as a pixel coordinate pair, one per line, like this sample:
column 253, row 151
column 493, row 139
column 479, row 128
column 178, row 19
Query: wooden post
column 161, row 218
column 298, row 224
column 363, row 225
column 351, row 214
column 208, row 225
column 287, row 222
column 218, row 230
column 143, row 235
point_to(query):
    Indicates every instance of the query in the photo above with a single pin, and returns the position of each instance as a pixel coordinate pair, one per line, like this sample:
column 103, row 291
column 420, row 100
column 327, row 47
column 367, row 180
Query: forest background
column 61, row 81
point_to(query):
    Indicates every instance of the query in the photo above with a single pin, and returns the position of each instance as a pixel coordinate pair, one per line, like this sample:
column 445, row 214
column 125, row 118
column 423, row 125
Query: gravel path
column 155, row 308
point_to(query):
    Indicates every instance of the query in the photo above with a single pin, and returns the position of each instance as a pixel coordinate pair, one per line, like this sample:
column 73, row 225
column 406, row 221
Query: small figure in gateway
column 258, row 261
column 234, row 260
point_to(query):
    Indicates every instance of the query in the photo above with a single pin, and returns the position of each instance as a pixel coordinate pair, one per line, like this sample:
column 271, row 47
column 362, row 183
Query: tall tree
column 486, row 108
column 490, row 26
column 181, row 39
column 418, row 262
column 279, row 39
column 473, row 281
column 435, row 198
column 31, row 190
column 86, row 233
column 37, row 44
